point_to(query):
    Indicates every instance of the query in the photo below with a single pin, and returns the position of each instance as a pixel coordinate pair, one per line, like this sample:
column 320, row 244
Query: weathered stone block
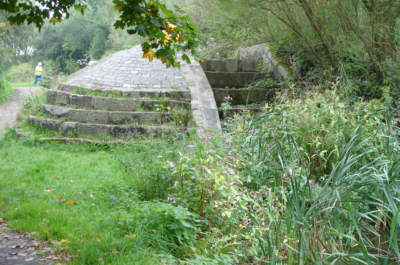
column 239, row 79
column 96, row 116
column 226, row 65
column 56, row 111
column 79, row 115
column 93, row 129
column 258, row 58
column 67, row 128
column 57, row 97
column 80, row 100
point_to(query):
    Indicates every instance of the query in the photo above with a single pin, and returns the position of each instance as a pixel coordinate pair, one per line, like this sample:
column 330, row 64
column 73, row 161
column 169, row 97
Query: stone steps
column 111, row 117
column 232, row 79
column 58, row 97
column 74, row 112
column 118, row 92
column 77, row 129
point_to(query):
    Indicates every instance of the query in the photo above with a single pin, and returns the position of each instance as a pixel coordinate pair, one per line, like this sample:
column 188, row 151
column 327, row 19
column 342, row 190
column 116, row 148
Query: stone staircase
column 126, row 96
column 80, row 112
column 228, row 79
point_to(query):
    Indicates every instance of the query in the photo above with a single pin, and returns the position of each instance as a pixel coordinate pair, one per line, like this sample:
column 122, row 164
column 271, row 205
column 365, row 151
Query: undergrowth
column 313, row 179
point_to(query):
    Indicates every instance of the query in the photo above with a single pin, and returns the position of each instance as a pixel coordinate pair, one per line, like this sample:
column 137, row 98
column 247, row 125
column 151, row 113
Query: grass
column 311, row 180
column 21, row 84
column 81, row 195
column 6, row 90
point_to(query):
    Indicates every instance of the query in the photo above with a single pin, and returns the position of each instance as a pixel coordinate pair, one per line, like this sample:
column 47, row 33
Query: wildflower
column 172, row 164
column 397, row 123
column 171, row 199
column 228, row 170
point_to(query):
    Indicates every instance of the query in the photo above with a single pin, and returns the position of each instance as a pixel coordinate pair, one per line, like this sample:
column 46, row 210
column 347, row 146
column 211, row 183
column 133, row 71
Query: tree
column 167, row 32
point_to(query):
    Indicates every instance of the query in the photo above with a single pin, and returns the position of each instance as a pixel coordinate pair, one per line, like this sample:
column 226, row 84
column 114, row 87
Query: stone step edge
column 175, row 94
column 112, row 104
column 66, row 128
column 66, row 140
column 110, row 117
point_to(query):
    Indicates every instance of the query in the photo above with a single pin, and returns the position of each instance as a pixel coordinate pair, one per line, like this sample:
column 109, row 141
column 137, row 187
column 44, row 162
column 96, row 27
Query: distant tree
column 15, row 42
column 167, row 32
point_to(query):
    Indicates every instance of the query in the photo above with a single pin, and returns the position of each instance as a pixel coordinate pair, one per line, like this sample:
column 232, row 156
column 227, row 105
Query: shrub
column 313, row 180
column 21, row 73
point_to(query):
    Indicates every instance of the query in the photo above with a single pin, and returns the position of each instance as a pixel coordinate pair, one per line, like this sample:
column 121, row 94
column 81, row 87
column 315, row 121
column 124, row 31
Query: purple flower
column 171, row 164
column 397, row 123
column 171, row 199
column 228, row 170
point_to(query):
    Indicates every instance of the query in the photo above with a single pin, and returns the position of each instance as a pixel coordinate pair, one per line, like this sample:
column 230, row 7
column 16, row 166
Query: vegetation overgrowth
column 6, row 90
column 311, row 180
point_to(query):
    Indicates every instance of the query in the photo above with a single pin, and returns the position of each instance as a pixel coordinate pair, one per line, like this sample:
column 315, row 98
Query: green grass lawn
column 83, row 196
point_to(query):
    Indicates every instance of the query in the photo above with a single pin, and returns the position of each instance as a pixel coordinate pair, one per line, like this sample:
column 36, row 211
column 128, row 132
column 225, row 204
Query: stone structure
column 230, row 77
column 258, row 58
column 125, row 95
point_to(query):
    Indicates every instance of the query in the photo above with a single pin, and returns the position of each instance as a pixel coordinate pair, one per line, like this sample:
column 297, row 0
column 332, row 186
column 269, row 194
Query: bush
column 313, row 180
column 21, row 73
column 323, row 177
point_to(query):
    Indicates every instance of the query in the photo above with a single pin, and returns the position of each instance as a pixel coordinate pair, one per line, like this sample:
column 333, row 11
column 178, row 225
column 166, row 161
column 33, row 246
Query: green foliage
column 6, row 90
column 160, row 225
column 167, row 32
column 15, row 42
column 21, row 73
column 98, row 46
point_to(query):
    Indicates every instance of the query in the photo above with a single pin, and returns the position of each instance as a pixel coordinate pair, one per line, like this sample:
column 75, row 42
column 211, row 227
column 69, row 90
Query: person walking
column 38, row 73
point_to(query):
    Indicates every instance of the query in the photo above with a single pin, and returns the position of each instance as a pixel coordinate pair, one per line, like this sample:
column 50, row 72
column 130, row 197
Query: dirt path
column 19, row 248
column 10, row 109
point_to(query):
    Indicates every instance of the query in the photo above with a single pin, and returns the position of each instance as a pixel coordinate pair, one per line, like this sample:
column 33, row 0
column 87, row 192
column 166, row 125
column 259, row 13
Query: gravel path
column 10, row 109
column 19, row 248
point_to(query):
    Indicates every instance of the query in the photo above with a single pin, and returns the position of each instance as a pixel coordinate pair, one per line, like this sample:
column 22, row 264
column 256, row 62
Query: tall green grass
column 339, row 168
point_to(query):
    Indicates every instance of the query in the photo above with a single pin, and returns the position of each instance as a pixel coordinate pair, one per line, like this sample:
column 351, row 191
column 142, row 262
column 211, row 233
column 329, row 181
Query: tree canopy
column 167, row 31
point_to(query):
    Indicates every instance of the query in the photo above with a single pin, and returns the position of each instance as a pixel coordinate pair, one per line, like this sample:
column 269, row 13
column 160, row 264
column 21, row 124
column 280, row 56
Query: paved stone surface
column 18, row 249
column 127, row 71
column 10, row 109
